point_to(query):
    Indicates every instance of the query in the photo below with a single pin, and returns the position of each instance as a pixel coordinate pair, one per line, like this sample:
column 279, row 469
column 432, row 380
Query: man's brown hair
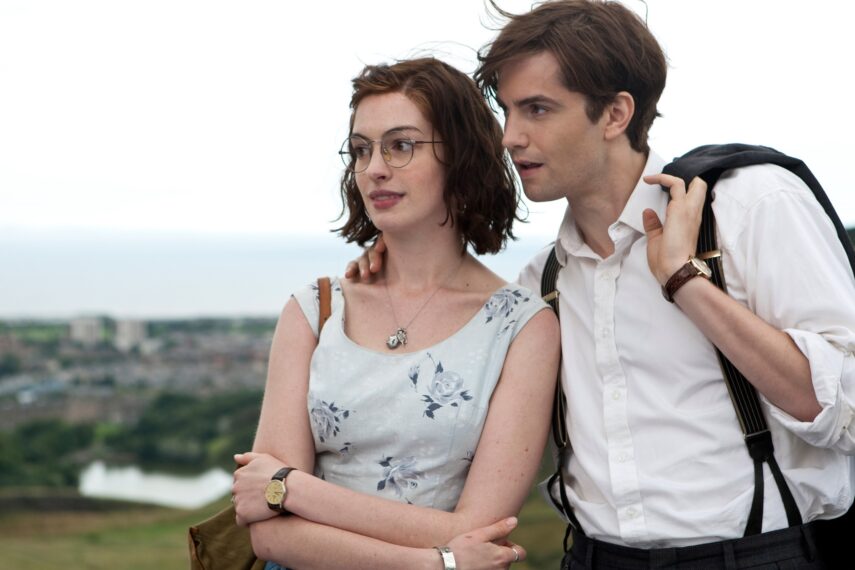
column 602, row 47
column 481, row 194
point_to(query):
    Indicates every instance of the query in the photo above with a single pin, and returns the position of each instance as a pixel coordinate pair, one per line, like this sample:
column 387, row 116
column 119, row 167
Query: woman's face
column 403, row 197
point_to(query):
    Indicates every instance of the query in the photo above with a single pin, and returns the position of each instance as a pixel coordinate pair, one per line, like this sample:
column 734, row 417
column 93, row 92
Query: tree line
column 176, row 433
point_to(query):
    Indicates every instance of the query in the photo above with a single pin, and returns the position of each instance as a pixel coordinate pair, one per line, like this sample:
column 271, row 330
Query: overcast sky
column 225, row 116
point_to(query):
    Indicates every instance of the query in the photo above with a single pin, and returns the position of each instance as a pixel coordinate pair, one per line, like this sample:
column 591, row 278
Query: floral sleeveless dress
column 405, row 426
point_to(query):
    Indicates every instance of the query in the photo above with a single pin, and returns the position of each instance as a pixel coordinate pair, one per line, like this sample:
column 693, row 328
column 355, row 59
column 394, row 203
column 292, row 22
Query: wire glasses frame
column 397, row 152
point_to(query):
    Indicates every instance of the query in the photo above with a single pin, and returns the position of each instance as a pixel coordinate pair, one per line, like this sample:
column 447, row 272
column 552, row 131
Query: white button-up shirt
column 658, row 456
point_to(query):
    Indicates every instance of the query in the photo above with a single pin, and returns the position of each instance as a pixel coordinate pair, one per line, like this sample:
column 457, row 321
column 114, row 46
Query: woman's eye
column 401, row 145
column 360, row 151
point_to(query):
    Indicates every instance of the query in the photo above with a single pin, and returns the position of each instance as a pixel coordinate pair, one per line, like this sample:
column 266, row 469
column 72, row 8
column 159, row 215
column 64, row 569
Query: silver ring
column 516, row 554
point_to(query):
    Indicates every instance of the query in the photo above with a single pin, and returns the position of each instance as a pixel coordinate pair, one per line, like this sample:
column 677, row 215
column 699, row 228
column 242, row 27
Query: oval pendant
column 392, row 342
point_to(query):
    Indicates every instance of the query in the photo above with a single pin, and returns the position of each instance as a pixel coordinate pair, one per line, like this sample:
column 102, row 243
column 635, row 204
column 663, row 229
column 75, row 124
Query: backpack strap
column 743, row 395
column 549, row 291
column 324, row 302
column 709, row 162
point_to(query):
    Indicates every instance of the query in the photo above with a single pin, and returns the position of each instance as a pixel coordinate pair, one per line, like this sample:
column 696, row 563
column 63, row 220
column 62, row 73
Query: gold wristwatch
column 275, row 491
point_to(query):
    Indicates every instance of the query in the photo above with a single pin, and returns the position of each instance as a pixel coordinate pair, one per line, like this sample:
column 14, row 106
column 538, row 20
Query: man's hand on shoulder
column 369, row 263
column 669, row 246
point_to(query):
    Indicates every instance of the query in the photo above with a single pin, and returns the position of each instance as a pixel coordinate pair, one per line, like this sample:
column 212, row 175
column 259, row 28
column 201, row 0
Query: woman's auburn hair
column 481, row 194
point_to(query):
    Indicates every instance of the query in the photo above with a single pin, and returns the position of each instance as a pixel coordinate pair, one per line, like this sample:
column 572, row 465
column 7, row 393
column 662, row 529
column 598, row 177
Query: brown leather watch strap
column 693, row 268
column 682, row 276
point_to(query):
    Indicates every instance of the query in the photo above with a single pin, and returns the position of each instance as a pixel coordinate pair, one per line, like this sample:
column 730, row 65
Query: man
column 659, row 475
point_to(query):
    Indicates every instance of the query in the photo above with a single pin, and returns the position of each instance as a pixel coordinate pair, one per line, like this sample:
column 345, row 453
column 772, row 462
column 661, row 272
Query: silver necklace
column 399, row 337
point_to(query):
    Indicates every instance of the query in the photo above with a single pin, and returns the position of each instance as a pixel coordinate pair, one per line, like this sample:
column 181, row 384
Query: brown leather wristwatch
column 276, row 490
column 693, row 268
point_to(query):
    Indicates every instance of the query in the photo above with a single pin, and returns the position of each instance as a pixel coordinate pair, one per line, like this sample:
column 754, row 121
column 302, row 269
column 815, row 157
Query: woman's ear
column 618, row 114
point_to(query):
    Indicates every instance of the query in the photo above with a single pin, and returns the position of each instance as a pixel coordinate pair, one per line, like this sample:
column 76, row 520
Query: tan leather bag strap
column 324, row 301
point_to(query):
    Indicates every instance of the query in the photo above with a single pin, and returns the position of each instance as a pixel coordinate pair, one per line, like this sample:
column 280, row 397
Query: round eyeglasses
column 397, row 151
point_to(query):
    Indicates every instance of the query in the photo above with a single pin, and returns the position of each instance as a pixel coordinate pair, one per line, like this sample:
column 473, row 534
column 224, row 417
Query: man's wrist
column 669, row 269
column 694, row 267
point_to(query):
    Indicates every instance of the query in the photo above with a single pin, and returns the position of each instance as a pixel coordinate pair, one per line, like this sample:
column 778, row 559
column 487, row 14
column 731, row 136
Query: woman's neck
column 415, row 262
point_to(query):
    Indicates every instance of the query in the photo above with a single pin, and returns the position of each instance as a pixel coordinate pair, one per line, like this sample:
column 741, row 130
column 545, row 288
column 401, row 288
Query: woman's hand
column 250, row 481
column 487, row 548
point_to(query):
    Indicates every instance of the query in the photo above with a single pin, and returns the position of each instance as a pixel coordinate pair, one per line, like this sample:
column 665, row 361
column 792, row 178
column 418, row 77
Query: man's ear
column 618, row 114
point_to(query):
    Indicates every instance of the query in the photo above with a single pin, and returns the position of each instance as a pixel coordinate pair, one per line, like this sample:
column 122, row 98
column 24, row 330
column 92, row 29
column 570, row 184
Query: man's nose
column 514, row 136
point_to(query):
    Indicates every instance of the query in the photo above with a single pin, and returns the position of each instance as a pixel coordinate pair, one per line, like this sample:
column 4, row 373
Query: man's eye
column 537, row 109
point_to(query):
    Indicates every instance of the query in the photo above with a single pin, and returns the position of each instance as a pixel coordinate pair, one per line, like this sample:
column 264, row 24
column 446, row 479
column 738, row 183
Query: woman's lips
column 383, row 199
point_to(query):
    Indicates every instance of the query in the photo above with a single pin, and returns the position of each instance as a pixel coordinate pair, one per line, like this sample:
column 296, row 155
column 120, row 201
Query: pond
column 133, row 484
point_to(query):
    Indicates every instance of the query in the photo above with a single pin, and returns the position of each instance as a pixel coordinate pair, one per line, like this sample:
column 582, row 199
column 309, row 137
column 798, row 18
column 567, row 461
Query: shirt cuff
column 833, row 427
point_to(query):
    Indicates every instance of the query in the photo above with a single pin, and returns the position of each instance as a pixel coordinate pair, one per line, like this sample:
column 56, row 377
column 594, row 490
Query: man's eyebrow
column 536, row 99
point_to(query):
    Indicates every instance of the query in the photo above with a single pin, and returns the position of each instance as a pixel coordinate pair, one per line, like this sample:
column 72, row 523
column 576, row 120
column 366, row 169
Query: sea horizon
column 59, row 275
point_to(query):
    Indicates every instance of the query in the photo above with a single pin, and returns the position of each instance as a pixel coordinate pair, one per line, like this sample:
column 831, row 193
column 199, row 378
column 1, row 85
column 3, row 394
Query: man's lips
column 525, row 167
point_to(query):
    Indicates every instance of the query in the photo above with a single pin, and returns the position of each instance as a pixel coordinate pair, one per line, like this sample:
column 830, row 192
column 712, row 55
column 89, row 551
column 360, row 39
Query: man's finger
column 363, row 266
column 651, row 221
column 352, row 270
column 697, row 191
column 379, row 244
column 375, row 260
column 675, row 185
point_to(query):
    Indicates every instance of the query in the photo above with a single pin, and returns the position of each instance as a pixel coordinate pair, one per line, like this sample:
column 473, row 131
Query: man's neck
column 596, row 211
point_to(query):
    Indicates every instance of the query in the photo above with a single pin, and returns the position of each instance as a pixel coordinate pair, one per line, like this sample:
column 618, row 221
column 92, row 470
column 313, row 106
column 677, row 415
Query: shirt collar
column 645, row 196
column 569, row 241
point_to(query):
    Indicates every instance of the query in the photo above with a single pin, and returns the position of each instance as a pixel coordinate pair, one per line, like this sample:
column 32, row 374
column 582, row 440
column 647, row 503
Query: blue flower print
column 502, row 303
column 326, row 419
column 446, row 389
column 413, row 374
column 399, row 474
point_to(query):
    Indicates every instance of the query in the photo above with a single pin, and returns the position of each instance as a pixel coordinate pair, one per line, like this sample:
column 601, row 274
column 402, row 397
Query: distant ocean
column 151, row 276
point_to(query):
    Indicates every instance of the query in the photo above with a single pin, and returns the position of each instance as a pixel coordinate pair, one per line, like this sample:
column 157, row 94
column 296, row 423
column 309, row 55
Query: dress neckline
column 398, row 355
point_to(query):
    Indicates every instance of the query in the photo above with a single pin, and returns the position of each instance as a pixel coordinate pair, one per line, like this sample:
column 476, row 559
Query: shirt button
column 616, row 395
column 631, row 512
column 623, row 458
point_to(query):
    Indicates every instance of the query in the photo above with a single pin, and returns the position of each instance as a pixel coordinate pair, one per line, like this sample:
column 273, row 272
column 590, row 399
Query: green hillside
column 102, row 536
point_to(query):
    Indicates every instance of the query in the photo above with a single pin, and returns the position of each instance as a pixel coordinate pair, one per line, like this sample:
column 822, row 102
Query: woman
column 429, row 389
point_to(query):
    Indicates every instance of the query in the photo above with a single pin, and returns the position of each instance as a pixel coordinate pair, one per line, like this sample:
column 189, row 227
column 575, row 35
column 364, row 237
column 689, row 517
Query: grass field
column 151, row 538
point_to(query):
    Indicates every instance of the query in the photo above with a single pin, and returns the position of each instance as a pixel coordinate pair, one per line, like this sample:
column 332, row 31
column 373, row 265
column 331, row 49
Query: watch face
column 275, row 492
column 701, row 266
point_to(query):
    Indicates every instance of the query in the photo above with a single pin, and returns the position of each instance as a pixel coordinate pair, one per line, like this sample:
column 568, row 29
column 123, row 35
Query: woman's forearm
column 383, row 519
column 297, row 543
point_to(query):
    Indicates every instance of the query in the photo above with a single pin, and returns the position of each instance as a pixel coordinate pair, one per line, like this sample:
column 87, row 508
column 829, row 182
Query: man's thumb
column 651, row 221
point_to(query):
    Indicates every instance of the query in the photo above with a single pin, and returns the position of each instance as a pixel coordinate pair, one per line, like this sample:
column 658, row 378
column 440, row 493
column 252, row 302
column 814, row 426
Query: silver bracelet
column 447, row 557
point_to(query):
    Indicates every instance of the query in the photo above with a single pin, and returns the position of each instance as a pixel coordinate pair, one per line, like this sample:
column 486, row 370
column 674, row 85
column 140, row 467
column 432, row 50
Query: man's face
column 557, row 150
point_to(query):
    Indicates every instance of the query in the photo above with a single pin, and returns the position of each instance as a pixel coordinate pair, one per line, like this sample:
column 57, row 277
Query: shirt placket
column 621, row 456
